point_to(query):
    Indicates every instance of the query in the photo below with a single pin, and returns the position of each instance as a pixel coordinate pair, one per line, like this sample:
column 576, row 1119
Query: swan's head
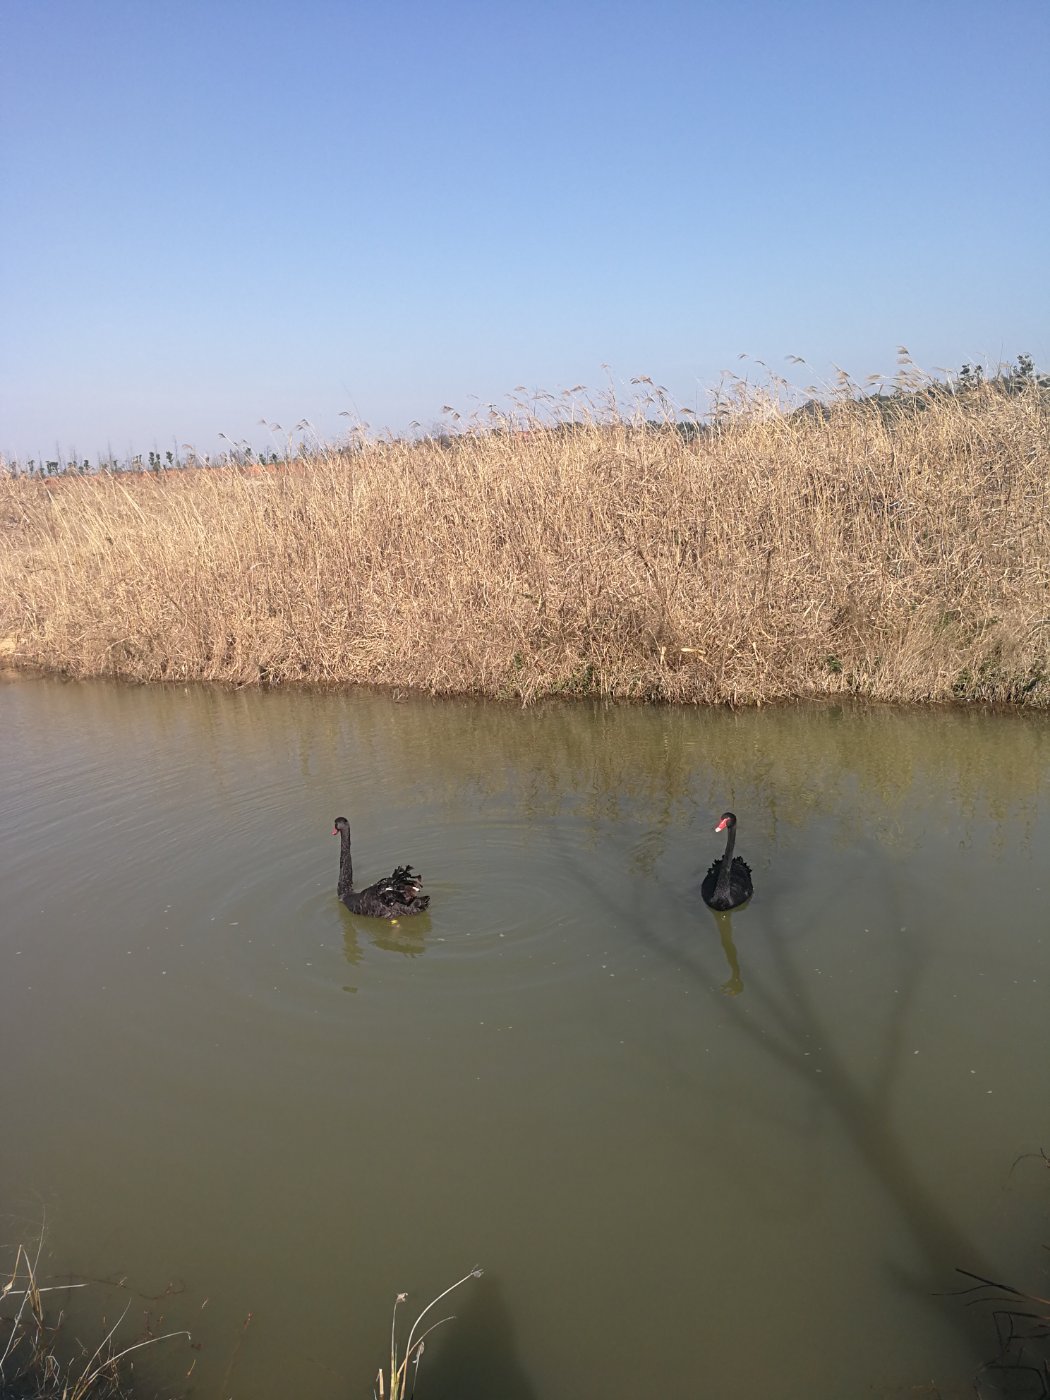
column 726, row 822
column 341, row 825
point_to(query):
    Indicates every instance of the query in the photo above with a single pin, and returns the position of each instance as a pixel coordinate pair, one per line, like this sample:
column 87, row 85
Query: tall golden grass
column 876, row 551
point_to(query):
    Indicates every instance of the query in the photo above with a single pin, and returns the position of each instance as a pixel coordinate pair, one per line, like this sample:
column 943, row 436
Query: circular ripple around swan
column 526, row 899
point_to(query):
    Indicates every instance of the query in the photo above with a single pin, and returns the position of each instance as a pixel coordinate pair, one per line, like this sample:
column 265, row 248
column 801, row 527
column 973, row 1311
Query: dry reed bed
column 898, row 555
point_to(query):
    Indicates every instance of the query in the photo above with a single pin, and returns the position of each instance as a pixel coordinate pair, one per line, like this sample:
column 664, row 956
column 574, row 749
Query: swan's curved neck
column 722, row 884
column 346, row 864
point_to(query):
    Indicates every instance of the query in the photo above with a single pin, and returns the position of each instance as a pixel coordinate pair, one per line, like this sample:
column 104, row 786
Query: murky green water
column 715, row 1159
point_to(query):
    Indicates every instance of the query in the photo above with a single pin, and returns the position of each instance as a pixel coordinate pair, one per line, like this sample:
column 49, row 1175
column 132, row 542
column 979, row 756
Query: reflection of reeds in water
column 614, row 755
column 870, row 771
column 875, row 551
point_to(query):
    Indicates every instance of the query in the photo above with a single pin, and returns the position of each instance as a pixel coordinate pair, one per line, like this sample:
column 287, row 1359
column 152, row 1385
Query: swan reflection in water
column 734, row 984
column 407, row 937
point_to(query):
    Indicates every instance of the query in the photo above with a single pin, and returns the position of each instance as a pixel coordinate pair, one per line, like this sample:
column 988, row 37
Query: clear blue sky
column 219, row 212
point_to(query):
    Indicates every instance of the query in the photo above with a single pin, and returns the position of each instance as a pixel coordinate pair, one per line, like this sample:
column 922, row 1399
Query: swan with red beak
column 727, row 885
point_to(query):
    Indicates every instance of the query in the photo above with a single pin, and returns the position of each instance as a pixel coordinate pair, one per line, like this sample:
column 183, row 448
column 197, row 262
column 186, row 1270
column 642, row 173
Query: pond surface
column 706, row 1157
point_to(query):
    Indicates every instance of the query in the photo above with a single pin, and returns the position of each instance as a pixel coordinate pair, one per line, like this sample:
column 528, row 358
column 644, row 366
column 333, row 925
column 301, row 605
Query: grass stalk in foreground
column 31, row 1367
column 397, row 1386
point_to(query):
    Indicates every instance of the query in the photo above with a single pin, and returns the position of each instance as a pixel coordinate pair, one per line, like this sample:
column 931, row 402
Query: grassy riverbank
column 896, row 548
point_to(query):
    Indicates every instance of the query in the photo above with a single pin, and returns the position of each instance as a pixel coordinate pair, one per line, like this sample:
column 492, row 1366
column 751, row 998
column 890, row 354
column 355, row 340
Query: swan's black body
column 728, row 883
column 393, row 898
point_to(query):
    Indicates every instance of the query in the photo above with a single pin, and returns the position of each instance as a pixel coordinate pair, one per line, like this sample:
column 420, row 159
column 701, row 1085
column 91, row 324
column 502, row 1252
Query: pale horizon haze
column 216, row 214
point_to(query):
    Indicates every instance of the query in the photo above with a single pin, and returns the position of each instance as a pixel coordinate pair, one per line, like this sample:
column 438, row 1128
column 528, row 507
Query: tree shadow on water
column 788, row 1021
column 786, row 1017
column 475, row 1355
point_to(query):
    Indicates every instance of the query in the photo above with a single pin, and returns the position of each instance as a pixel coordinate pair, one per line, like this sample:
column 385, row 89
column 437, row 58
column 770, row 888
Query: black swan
column 392, row 898
column 728, row 882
